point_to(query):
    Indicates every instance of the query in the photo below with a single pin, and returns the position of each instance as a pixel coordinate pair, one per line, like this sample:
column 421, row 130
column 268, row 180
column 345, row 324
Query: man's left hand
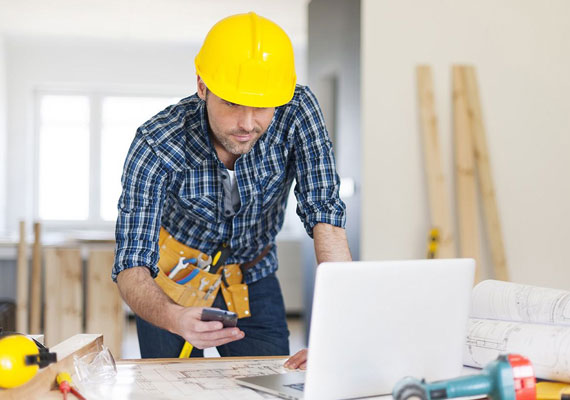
column 297, row 361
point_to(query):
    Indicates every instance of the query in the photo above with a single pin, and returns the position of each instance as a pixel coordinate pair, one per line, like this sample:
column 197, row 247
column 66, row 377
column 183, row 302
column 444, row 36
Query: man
column 215, row 169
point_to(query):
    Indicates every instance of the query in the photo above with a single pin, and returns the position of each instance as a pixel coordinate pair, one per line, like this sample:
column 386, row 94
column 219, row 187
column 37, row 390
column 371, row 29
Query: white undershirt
column 232, row 177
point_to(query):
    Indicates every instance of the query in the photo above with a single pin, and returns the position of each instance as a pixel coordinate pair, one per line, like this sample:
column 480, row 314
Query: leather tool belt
column 202, row 289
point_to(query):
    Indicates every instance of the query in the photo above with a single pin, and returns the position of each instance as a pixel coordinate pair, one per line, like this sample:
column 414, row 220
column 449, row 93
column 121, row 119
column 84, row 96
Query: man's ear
column 201, row 86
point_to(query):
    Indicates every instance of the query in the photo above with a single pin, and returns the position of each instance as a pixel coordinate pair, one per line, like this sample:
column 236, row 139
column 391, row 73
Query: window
column 63, row 174
column 83, row 141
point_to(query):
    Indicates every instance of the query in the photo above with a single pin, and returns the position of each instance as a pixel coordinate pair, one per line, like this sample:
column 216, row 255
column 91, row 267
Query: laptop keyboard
column 297, row 386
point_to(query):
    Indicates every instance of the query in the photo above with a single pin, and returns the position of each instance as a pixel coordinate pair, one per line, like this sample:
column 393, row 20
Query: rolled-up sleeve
column 140, row 209
column 317, row 187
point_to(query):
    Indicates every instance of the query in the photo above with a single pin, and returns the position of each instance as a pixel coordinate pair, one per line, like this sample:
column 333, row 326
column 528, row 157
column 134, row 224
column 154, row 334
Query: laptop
column 374, row 323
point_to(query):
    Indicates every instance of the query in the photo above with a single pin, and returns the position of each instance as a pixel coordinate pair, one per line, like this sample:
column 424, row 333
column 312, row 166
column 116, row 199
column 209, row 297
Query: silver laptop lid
column 376, row 322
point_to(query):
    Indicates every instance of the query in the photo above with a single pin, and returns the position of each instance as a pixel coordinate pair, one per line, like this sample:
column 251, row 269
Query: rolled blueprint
column 546, row 346
column 508, row 301
column 528, row 320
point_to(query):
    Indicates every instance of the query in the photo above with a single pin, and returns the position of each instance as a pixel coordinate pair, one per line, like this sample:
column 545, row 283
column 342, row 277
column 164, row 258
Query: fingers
column 216, row 338
column 223, row 340
column 297, row 361
column 202, row 326
column 203, row 334
column 218, row 334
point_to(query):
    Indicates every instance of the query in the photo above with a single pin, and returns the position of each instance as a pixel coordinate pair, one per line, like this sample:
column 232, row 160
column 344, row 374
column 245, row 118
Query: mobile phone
column 228, row 318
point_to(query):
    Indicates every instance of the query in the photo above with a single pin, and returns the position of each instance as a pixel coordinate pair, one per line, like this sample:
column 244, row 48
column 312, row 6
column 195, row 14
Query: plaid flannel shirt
column 172, row 178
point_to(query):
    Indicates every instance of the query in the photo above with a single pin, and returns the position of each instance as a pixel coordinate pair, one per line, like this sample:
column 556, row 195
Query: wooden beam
column 440, row 210
column 22, row 291
column 36, row 282
column 64, row 293
column 104, row 310
column 465, row 174
column 487, row 188
column 78, row 345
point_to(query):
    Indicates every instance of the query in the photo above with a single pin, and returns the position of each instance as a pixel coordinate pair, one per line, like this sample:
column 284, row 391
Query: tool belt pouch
column 194, row 292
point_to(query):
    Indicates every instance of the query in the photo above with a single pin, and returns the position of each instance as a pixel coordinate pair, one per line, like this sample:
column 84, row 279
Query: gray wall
column 3, row 136
column 334, row 76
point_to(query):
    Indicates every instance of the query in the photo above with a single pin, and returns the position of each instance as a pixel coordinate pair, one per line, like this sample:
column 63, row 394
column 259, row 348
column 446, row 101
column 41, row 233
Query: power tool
column 509, row 377
column 20, row 359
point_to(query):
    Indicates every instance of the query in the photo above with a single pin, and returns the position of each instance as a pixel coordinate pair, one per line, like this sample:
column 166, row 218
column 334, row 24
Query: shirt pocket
column 272, row 173
column 271, row 181
column 198, row 196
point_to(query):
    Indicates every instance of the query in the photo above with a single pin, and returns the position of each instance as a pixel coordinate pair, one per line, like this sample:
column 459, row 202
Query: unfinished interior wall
column 520, row 50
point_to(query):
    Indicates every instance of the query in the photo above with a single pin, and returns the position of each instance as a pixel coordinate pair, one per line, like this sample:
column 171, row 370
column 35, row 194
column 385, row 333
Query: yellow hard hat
column 15, row 370
column 247, row 59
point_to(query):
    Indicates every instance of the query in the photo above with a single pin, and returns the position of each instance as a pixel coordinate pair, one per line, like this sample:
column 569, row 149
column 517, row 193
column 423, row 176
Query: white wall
column 521, row 50
column 34, row 63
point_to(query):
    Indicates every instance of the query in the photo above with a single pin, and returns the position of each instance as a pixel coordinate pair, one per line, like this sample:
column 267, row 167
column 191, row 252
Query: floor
column 130, row 348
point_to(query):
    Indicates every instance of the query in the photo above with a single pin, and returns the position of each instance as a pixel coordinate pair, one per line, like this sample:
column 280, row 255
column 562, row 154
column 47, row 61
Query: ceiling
column 147, row 20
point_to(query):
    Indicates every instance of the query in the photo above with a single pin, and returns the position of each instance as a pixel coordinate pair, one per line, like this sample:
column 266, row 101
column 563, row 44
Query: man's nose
column 246, row 119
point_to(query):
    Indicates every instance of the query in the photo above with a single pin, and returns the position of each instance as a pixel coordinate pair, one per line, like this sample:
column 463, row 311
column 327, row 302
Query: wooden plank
column 464, row 172
column 440, row 210
column 212, row 360
column 64, row 293
column 22, row 290
column 36, row 282
column 44, row 380
column 104, row 309
column 487, row 188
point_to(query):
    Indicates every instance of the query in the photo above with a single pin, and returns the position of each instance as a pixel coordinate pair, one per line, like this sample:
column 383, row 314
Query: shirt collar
column 199, row 147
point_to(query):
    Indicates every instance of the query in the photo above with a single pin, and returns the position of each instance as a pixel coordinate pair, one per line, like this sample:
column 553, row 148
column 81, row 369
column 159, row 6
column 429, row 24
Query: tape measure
column 433, row 243
column 20, row 359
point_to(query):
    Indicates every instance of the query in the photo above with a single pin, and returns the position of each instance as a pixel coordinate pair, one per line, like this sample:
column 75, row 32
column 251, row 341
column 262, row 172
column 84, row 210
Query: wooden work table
column 202, row 378
column 162, row 378
column 206, row 378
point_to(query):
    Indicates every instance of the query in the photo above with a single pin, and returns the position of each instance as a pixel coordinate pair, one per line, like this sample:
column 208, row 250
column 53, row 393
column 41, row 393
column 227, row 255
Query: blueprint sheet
column 547, row 346
column 523, row 303
column 204, row 379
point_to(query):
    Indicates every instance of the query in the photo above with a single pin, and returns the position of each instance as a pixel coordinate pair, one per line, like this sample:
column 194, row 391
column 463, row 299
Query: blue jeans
column 266, row 332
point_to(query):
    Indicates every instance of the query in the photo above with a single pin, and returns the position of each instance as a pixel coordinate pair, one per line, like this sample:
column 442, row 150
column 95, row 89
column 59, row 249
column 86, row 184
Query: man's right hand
column 150, row 303
column 203, row 334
